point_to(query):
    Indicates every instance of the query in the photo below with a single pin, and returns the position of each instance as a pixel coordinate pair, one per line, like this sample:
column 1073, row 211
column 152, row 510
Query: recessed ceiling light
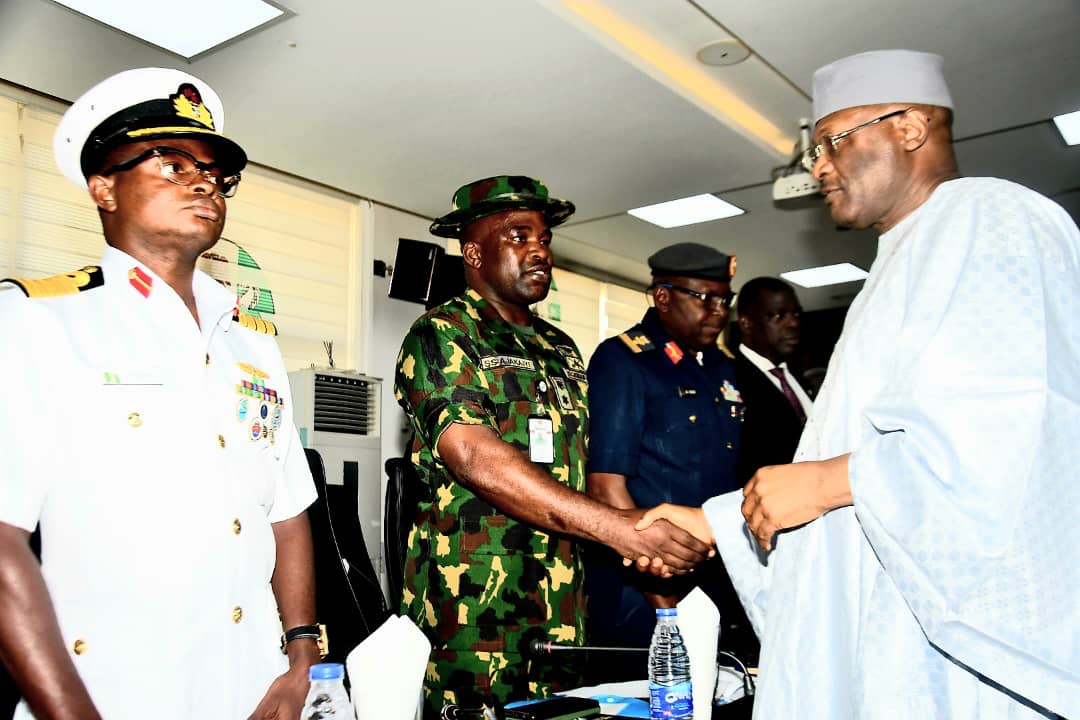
column 1069, row 127
column 825, row 275
column 686, row 211
column 200, row 27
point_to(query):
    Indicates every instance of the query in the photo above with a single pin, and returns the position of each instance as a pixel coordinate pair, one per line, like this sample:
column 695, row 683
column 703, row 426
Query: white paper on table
column 386, row 671
column 699, row 625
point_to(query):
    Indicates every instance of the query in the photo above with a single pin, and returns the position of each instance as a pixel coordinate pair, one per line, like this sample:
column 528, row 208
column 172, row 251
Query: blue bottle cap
column 667, row 612
column 327, row 671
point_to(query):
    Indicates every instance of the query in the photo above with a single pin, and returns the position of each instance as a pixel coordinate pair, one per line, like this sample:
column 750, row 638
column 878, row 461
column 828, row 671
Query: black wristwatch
column 311, row 632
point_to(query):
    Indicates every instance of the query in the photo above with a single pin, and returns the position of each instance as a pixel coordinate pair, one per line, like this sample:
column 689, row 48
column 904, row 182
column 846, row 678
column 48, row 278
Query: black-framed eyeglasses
column 828, row 144
column 181, row 167
column 783, row 316
column 712, row 302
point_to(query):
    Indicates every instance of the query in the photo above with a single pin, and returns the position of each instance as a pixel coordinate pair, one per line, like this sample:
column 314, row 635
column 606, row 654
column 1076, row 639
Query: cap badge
column 188, row 104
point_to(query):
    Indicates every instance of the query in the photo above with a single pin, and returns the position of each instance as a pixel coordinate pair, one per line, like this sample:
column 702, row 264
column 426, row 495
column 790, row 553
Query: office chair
column 348, row 597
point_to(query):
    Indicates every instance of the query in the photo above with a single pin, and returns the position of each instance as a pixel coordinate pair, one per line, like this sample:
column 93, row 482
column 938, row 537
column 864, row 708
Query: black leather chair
column 348, row 597
column 404, row 491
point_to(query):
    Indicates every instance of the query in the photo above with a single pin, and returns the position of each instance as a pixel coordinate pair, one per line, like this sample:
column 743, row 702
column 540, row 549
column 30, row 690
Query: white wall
column 391, row 319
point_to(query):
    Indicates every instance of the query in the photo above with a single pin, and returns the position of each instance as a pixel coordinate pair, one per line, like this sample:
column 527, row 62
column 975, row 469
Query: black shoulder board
column 69, row 283
column 253, row 323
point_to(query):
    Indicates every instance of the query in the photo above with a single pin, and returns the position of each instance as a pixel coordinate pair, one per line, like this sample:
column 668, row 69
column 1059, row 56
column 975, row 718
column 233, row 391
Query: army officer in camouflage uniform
column 498, row 400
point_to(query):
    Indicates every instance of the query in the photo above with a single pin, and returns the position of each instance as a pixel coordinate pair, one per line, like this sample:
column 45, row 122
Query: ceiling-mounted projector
column 794, row 180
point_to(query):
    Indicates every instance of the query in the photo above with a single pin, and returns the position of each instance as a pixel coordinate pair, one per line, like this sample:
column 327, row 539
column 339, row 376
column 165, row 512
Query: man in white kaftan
column 928, row 565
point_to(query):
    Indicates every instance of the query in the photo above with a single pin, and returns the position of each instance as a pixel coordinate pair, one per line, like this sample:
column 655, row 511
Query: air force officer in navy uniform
column 666, row 422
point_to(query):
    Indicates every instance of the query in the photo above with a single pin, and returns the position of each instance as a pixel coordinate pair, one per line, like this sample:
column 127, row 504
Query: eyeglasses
column 713, row 303
column 828, row 144
column 180, row 167
column 783, row 316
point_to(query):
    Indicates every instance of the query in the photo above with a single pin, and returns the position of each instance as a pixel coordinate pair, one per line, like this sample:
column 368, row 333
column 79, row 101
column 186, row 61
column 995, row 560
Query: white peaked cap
column 141, row 104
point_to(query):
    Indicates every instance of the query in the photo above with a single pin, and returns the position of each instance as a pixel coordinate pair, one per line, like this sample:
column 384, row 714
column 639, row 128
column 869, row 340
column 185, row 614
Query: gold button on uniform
column 730, row 445
column 134, row 420
column 79, row 647
column 221, row 440
column 236, row 527
column 237, row 614
column 693, row 418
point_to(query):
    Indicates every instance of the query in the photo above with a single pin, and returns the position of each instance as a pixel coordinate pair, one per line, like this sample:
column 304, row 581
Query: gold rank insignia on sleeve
column 69, row 283
column 636, row 340
column 253, row 323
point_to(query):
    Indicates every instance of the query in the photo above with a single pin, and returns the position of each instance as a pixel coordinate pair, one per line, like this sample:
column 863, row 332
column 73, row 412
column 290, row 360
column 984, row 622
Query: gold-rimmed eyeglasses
column 828, row 144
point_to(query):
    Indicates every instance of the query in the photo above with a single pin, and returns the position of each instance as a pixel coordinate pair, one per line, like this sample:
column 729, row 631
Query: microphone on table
column 546, row 647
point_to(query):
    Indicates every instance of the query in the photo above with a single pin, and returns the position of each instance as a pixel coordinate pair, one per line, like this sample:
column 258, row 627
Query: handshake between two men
column 776, row 498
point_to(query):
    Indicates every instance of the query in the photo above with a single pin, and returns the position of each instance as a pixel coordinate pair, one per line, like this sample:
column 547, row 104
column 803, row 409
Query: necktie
column 792, row 399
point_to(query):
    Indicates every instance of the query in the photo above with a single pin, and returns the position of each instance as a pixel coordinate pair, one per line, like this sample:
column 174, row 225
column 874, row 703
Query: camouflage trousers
column 475, row 678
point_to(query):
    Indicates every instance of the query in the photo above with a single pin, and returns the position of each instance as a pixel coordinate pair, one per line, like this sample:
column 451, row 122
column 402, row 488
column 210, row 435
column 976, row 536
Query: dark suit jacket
column 771, row 429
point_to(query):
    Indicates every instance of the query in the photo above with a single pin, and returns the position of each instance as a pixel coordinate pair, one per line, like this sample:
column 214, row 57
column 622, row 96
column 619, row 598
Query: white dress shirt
column 766, row 366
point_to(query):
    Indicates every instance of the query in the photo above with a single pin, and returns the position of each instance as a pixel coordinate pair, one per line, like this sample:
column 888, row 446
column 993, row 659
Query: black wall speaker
column 414, row 270
column 425, row 274
column 449, row 280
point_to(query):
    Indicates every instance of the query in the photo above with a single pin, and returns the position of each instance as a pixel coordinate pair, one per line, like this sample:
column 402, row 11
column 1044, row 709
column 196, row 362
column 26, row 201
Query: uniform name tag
column 498, row 361
column 541, row 440
column 576, row 375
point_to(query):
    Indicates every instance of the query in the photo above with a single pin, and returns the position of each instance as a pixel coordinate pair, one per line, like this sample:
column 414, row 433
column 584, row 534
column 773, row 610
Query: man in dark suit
column 776, row 404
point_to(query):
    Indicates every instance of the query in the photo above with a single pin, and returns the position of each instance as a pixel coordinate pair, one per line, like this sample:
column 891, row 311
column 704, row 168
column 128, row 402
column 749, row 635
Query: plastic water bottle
column 327, row 697
column 670, row 694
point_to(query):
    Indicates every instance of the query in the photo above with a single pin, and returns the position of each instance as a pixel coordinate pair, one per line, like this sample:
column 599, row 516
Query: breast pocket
column 685, row 428
column 129, row 431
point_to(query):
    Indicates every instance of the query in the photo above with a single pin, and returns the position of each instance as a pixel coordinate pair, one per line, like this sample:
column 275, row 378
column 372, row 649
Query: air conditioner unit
column 337, row 413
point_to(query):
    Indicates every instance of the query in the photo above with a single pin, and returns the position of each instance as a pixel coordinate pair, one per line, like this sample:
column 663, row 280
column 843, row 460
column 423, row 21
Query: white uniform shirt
column 956, row 386
column 155, row 473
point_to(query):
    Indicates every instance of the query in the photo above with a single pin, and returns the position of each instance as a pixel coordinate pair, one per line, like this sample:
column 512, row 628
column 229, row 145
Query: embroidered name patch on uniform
column 499, row 361
column 576, row 375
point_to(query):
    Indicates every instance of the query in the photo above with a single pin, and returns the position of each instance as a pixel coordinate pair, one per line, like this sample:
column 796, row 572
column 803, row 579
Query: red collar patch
column 674, row 352
column 140, row 281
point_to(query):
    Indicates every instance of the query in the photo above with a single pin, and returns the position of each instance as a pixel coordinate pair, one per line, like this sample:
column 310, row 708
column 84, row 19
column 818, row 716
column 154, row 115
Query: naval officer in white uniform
column 147, row 427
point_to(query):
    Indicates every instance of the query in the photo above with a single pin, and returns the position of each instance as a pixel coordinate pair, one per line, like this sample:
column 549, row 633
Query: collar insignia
column 674, row 352
column 141, row 281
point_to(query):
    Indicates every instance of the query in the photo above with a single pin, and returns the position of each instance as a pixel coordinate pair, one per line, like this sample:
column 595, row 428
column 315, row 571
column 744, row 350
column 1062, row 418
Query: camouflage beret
column 481, row 198
column 692, row 260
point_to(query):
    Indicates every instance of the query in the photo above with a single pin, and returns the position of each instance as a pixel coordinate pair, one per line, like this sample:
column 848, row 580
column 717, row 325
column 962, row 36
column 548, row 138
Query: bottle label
column 671, row 701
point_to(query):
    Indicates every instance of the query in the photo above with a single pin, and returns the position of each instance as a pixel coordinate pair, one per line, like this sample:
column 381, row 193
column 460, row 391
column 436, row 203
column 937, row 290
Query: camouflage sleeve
column 438, row 383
